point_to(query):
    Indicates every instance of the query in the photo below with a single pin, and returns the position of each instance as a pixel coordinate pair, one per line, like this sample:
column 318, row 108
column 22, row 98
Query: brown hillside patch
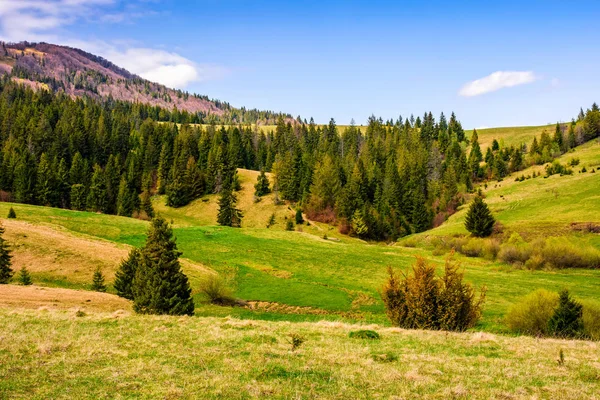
column 48, row 250
column 35, row 297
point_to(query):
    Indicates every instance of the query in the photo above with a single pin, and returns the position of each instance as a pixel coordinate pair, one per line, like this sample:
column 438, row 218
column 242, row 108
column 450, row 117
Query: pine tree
column 160, row 287
column 299, row 218
column 567, row 320
column 228, row 214
column 6, row 271
column 420, row 214
column 479, row 220
column 98, row 281
column 96, row 200
column 11, row 213
column 46, row 183
column 78, row 197
column 24, row 277
column 126, row 273
column 262, row 184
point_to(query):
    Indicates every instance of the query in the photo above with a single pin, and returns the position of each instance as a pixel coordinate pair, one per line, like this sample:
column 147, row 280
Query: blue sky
column 534, row 62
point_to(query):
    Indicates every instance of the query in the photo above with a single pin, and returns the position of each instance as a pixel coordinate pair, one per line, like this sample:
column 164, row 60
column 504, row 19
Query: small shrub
column 24, row 277
column 11, row 213
column 299, row 218
column 409, row 242
column 591, row 320
column 364, row 334
column 80, row 313
column 296, row 341
column 289, row 225
column 216, row 290
column 532, row 313
column 567, row 320
column 325, row 236
column 535, row 263
column 491, row 248
column 473, row 248
column 563, row 254
column 561, row 358
column 271, row 221
column 98, row 281
column 385, row 358
column 513, row 254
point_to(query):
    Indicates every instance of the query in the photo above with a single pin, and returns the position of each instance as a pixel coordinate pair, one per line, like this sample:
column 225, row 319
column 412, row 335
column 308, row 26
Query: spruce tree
column 479, row 220
column 96, row 200
column 98, row 281
column 78, row 197
column 6, row 271
column 299, row 218
column 24, row 277
column 228, row 214
column 126, row 273
column 11, row 213
column 567, row 320
column 262, row 184
column 160, row 287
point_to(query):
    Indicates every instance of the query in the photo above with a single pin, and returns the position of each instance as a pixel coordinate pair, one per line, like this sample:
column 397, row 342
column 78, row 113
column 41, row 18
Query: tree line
column 379, row 182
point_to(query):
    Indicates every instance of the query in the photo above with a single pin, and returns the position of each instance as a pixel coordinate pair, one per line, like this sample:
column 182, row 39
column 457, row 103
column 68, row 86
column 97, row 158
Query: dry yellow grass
column 35, row 297
column 53, row 251
column 57, row 355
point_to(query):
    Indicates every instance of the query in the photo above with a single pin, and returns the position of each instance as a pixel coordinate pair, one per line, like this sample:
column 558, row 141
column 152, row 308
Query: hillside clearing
column 43, row 298
column 98, row 356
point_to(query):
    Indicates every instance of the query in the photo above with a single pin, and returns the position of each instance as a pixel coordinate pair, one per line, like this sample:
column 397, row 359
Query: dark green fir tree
column 567, row 320
column 98, row 284
column 25, row 277
column 262, row 185
column 160, row 287
column 479, row 220
column 126, row 273
column 6, row 271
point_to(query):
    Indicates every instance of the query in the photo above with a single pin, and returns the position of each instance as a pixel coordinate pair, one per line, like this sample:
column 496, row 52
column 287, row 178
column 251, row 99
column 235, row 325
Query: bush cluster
column 426, row 301
column 541, row 253
column 545, row 313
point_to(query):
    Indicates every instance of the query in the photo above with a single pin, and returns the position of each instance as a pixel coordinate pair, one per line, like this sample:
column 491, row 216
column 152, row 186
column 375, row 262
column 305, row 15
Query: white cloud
column 496, row 81
column 167, row 68
column 44, row 20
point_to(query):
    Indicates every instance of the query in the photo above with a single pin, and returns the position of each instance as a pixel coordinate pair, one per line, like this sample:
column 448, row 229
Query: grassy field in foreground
column 57, row 354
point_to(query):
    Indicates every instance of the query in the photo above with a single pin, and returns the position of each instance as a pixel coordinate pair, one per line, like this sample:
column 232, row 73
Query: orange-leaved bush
column 425, row 301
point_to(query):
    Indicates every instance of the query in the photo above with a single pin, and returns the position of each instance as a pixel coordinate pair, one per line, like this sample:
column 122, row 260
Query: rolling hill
column 78, row 73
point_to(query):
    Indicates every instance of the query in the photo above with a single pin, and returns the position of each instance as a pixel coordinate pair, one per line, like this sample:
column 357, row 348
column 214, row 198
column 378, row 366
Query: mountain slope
column 78, row 73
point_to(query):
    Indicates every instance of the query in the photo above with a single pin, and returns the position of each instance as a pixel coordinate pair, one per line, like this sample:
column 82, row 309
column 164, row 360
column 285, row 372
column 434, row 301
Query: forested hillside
column 110, row 156
column 80, row 74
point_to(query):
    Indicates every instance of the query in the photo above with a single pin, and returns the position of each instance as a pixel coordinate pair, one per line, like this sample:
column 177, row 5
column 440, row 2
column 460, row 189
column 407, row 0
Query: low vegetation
column 425, row 301
column 112, row 354
column 545, row 313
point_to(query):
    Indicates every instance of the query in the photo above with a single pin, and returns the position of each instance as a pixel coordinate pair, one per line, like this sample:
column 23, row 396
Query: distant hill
column 78, row 73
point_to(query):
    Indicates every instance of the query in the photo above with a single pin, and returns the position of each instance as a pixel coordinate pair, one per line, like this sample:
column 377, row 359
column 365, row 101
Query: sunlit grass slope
column 543, row 206
column 326, row 279
column 61, row 355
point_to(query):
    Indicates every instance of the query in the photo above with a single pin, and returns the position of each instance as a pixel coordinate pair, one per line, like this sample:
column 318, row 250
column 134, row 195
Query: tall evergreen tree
column 6, row 271
column 229, row 214
column 126, row 273
column 479, row 220
column 262, row 184
column 160, row 287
